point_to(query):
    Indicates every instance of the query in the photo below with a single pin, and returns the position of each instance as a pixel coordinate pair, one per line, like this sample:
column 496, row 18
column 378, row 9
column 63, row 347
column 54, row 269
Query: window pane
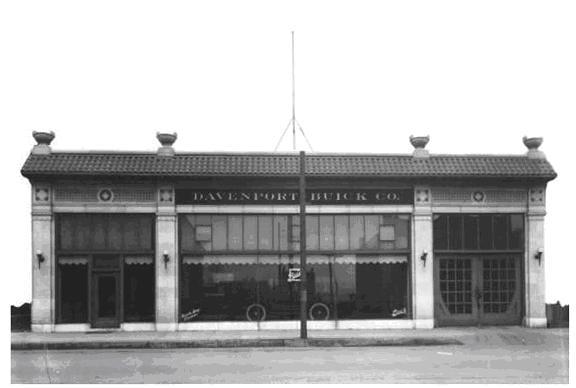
column 74, row 293
column 279, row 297
column 250, row 233
column 265, row 230
column 320, row 292
column 100, row 233
column 372, row 231
column 470, row 232
column 356, row 232
column 294, row 225
column 146, row 225
column 139, row 294
column 235, row 233
column 219, row 224
column 368, row 291
column 440, row 232
column 402, row 232
column 83, row 239
column 500, row 231
column 187, row 234
column 455, row 231
column 66, row 233
column 115, row 233
column 312, row 238
column 217, row 292
column 486, row 231
column 342, row 232
column 327, row 232
column 131, row 232
column 516, row 231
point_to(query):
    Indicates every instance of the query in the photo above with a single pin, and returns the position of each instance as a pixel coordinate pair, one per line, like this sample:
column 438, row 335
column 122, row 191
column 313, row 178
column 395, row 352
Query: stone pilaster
column 166, row 271
column 43, row 260
column 422, row 270
column 534, row 279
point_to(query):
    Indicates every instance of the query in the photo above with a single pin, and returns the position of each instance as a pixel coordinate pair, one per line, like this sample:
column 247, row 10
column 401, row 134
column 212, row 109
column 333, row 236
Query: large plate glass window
column 357, row 267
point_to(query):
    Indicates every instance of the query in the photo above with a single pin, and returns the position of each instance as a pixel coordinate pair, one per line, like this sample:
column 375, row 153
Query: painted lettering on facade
column 316, row 197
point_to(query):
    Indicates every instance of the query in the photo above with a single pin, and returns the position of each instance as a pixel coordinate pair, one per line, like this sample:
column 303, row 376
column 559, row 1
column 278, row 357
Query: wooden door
column 106, row 299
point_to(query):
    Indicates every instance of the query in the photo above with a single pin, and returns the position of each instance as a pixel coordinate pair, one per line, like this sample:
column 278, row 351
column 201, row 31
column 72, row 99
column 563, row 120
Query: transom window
column 206, row 233
column 457, row 232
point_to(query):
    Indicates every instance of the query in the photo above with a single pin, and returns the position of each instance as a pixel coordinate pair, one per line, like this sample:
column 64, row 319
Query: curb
column 236, row 343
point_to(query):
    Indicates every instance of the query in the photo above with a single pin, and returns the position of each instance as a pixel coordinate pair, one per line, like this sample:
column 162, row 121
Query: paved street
column 485, row 357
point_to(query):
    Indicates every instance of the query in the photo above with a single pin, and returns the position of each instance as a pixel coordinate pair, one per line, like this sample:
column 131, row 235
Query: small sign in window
column 387, row 233
column 204, row 233
column 294, row 275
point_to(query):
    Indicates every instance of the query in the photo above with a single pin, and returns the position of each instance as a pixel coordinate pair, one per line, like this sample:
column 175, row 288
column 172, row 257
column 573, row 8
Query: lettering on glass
column 328, row 197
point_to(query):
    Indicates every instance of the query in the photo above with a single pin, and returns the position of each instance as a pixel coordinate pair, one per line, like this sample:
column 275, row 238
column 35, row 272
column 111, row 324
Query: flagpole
column 303, row 277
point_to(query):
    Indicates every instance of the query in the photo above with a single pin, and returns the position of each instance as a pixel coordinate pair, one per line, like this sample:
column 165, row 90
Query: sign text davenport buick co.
column 281, row 196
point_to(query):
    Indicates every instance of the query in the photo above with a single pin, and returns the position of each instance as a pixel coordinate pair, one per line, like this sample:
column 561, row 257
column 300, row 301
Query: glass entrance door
column 106, row 299
column 478, row 290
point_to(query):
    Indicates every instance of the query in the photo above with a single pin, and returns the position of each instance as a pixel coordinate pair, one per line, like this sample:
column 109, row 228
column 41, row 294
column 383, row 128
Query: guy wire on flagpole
column 293, row 122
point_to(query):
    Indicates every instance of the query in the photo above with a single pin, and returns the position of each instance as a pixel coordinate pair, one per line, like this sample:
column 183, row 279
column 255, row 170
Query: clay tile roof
column 272, row 164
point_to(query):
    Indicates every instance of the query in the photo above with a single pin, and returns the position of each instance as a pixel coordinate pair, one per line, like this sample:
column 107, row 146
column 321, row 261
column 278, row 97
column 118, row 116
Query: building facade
column 211, row 241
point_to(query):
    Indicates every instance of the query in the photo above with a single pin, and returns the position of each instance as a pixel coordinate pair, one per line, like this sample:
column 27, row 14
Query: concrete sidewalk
column 488, row 336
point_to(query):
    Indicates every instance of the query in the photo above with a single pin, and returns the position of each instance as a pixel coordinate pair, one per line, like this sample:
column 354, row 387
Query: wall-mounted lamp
column 166, row 258
column 538, row 255
column 40, row 257
column 423, row 257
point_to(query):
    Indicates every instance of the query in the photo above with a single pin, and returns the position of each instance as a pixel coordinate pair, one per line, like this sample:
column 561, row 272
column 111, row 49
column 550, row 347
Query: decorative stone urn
column 44, row 138
column 166, row 139
column 532, row 143
column 419, row 141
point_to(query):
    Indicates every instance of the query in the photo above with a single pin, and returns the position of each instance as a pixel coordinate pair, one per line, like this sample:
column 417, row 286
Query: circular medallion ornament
column 478, row 196
column 256, row 312
column 105, row 195
column 319, row 312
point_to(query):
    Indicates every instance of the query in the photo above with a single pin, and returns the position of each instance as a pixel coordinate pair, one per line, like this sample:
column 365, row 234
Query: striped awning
column 294, row 260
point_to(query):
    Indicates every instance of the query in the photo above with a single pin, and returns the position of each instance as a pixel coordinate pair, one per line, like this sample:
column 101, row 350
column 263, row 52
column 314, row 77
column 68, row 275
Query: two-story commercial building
column 172, row 240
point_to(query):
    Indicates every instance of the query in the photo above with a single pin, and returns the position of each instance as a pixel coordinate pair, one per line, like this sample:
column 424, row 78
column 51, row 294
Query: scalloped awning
column 138, row 260
column 79, row 260
column 294, row 260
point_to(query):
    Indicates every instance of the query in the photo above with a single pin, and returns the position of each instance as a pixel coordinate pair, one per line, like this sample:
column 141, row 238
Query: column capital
column 165, row 215
column 42, row 214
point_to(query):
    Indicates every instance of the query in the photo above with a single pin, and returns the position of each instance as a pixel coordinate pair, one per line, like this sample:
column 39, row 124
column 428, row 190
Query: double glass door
column 473, row 290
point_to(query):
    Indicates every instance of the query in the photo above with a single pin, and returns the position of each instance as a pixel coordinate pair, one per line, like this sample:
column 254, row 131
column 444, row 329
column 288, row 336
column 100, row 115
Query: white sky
column 476, row 76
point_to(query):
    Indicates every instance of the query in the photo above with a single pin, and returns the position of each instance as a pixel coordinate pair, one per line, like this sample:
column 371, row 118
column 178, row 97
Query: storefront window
column 240, row 288
column 114, row 253
column 241, row 272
